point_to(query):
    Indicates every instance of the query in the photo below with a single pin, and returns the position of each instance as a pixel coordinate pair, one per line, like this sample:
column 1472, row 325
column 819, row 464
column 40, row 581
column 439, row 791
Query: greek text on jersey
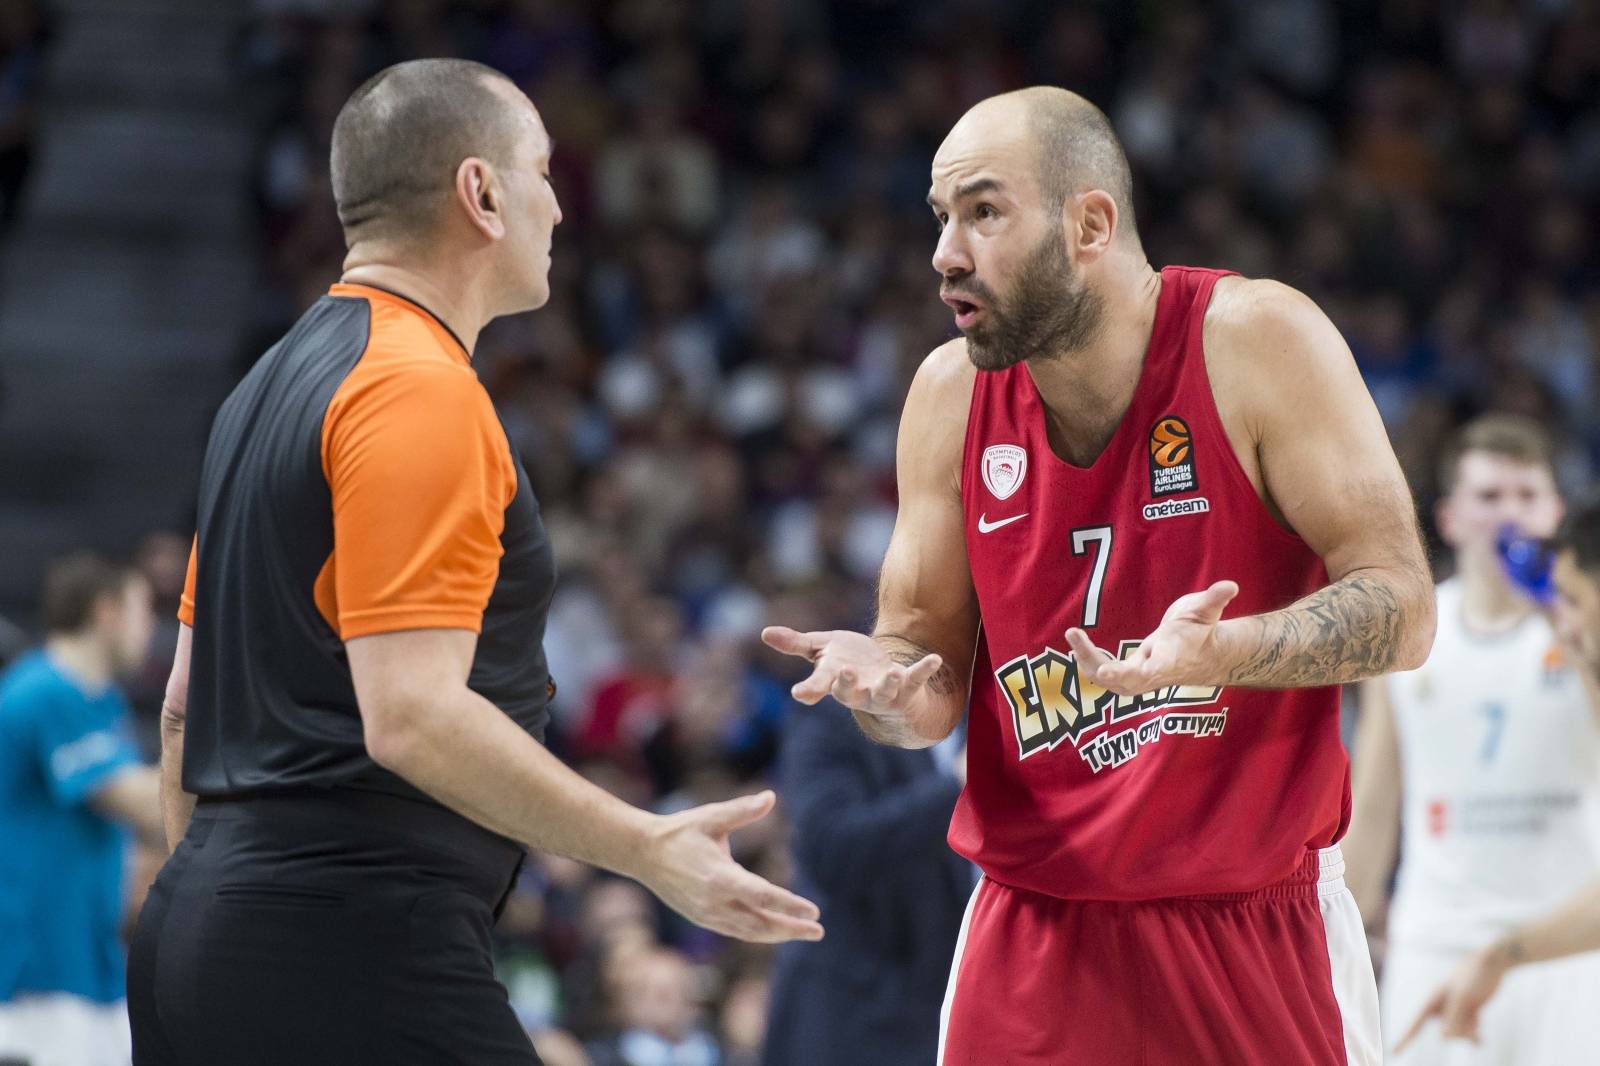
column 1051, row 702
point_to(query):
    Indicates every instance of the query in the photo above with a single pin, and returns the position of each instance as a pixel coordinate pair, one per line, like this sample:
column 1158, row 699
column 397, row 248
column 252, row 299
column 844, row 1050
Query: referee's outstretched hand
column 693, row 871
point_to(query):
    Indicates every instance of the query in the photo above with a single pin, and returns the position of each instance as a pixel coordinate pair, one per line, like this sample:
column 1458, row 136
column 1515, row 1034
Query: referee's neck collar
column 369, row 290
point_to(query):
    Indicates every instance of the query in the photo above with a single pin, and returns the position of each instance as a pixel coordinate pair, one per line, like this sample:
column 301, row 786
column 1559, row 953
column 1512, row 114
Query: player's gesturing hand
column 691, row 868
column 1181, row 651
column 854, row 669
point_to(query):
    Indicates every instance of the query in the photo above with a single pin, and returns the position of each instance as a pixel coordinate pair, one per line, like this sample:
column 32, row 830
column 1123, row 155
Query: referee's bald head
column 401, row 136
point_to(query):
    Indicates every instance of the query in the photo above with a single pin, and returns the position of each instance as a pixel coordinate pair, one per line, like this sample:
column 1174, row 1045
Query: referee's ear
column 477, row 191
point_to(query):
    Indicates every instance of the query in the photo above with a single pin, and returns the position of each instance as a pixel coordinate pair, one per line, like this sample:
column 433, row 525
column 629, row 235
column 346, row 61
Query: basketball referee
column 351, row 760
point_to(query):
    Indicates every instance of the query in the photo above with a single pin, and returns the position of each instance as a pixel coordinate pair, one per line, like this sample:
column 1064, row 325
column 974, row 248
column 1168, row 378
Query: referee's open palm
column 694, row 874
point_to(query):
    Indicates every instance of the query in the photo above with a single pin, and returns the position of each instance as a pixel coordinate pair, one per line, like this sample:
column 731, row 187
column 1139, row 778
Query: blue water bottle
column 1527, row 562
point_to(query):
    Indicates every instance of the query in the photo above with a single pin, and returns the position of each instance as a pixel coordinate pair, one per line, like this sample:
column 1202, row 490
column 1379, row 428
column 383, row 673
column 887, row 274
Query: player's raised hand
column 1181, row 651
column 693, row 871
column 854, row 669
column 1459, row 1001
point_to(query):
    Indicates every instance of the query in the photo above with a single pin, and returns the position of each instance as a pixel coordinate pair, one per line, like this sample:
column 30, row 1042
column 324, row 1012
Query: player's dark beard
column 1050, row 311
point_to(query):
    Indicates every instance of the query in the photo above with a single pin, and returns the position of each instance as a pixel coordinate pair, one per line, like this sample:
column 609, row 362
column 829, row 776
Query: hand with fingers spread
column 691, row 868
column 1183, row 650
column 1459, row 1001
column 858, row 671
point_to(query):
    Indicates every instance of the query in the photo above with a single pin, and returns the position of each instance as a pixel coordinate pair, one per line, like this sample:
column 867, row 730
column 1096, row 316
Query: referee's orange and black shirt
column 357, row 481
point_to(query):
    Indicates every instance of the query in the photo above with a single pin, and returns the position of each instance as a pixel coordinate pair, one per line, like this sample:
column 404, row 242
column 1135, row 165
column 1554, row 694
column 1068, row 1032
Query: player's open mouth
column 966, row 311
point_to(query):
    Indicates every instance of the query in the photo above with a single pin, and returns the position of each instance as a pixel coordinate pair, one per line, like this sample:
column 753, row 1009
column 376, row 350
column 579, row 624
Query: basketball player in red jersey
column 1149, row 520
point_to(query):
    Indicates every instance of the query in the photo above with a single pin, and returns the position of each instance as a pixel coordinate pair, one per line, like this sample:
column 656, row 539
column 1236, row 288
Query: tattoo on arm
column 942, row 685
column 1351, row 630
column 909, row 653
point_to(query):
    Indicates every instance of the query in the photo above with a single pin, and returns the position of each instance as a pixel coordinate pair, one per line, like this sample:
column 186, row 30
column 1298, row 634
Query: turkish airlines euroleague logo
column 1171, row 457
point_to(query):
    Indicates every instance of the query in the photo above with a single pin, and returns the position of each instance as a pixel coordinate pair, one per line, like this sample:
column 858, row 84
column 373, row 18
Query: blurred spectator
column 13, row 642
column 23, row 36
column 870, row 824
column 557, row 1048
column 657, row 172
column 630, row 706
column 163, row 560
column 743, row 1026
column 661, row 1015
column 71, row 786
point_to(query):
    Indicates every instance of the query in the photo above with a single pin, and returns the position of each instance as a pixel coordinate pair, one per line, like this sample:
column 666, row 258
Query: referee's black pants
column 340, row 928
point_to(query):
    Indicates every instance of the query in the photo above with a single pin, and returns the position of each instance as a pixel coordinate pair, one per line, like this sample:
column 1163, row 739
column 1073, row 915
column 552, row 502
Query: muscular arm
column 422, row 722
column 176, row 805
column 1351, row 630
column 907, row 682
column 926, row 602
column 1326, row 467
column 1374, row 837
column 939, row 707
column 1309, row 439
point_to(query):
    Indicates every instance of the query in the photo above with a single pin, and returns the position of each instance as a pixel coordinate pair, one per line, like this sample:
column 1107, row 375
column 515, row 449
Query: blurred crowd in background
column 24, row 32
column 742, row 289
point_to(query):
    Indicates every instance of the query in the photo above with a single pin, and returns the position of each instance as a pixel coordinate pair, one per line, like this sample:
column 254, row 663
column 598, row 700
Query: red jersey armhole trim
column 980, row 381
column 1208, row 411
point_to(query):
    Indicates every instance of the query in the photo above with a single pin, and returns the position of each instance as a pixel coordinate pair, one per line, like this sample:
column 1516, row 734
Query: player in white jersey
column 1485, row 762
column 1574, row 927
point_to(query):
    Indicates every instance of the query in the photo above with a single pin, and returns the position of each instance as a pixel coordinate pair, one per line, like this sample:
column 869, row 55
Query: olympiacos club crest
column 1004, row 466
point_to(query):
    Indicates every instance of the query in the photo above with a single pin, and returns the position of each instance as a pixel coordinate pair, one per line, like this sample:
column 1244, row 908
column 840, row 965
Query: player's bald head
column 1066, row 141
column 403, row 133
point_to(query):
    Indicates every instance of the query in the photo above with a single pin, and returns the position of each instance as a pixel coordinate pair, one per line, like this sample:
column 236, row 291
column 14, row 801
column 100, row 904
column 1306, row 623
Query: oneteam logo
column 1173, row 508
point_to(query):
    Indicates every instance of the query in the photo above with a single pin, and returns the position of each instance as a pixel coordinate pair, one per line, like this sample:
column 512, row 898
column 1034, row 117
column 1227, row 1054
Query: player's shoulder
column 946, row 371
column 1262, row 336
column 1262, row 315
column 941, row 390
column 933, row 424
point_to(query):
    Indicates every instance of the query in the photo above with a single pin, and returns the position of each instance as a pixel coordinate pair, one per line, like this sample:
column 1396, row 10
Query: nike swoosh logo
column 986, row 526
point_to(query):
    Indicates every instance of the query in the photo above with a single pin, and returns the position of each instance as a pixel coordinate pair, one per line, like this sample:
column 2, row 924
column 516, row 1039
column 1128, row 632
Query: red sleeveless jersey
column 1072, row 790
